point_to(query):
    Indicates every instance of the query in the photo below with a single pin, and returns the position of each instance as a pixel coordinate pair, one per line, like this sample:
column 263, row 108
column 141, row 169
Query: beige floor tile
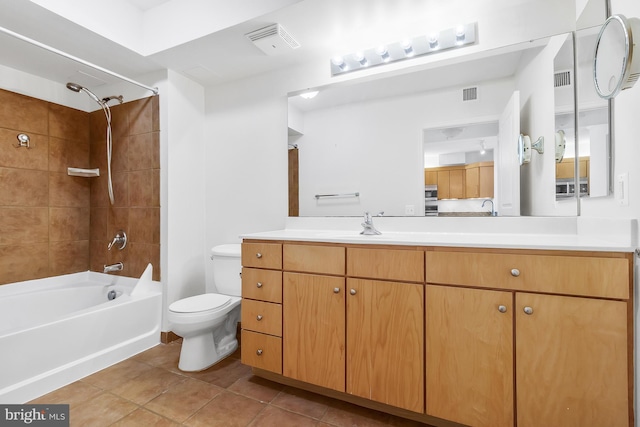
column 223, row 374
column 256, row 388
column 72, row 394
column 276, row 417
column 144, row 418
column 101, row 410
column 226, row 410
column 149, row 385
column 303, row 402
column 163, row 355
column 344, row 414
column 117, row 374
column 183, row 399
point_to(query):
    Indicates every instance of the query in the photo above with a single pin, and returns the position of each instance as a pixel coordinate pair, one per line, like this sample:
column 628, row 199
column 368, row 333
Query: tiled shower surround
column 52, row 223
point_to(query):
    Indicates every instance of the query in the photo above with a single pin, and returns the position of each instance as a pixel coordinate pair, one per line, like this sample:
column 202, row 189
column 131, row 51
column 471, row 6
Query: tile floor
column 149, row 390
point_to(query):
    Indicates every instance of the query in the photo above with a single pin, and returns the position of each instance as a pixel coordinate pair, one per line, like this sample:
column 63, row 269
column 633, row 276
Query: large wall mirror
column 446, row 135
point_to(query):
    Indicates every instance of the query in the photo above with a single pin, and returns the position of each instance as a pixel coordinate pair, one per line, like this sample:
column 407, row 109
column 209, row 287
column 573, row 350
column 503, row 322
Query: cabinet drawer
column 265, row 317
column 388, row 264
column 263, row 285
column 261, row 351
column 262, row 255
column 563, row 274
column 314, row 259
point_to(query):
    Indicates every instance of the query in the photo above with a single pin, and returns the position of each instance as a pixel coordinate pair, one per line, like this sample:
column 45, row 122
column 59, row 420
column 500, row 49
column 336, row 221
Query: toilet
column 207, row 322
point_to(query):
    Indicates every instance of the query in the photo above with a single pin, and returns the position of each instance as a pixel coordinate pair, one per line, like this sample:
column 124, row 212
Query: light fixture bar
column 451, row 38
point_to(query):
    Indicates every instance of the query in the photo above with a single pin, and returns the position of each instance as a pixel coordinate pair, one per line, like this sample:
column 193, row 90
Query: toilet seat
column 205, row 302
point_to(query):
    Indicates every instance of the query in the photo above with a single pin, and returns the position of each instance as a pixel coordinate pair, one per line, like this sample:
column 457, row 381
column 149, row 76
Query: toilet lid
column 202, row 302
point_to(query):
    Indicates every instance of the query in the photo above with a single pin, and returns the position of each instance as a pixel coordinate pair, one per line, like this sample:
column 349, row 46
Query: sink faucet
column 369, row 228
column 493, row 211
column 113, row 267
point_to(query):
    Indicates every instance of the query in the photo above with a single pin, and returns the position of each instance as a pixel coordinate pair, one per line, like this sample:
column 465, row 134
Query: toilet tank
column 226, row 270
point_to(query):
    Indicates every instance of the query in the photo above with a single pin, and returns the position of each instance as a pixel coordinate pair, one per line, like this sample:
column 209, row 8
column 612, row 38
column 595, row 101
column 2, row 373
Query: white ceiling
column 324, row 28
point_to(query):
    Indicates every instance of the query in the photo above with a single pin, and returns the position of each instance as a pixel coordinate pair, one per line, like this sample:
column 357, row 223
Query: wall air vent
column 562, row 78
column 470, row 94
column 273, row 40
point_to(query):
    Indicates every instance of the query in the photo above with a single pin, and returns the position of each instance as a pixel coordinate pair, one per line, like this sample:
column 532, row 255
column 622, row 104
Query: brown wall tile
column 142, row 254
column 120, row 188
column 120, row 154
column 141, row 188
column 141, row 116
column 12, row 156
column 23, row 225
column 144, row 151
column 22, row 187
column 68, row 257
column 98, row 224
column 24, row 262
column 69, row 191
column 68, row 123
column 145, row 225
column 64, row 153
column 155, row 197
column 118, row 219
column 24, row 113
column 68, row 224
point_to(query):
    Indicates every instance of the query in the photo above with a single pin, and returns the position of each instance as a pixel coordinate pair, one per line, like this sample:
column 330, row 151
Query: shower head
column 77, row 88
column 74, row 87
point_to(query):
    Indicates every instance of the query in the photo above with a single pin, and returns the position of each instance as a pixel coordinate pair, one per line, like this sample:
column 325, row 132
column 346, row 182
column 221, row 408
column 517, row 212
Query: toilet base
column 199, row 353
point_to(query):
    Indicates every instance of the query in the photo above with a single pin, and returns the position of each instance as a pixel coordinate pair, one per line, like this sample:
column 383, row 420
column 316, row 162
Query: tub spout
column 113, row 267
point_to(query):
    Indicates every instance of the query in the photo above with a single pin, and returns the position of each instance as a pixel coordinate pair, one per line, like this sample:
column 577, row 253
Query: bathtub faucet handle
column 120, row 240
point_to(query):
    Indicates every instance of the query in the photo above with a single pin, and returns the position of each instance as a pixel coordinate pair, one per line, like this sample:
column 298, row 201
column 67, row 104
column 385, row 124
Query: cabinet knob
column 515, row 272
column 259, row 352
column 259, row 317
column 352, row 291
column 258, row 285
column 336, row 290
column 528, row 310
column 258, row 255
column 502, row 308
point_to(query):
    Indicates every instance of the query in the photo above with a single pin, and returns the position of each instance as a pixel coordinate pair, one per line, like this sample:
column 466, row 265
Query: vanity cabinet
column 444, row 335
column 261, row 313
column 566, row 319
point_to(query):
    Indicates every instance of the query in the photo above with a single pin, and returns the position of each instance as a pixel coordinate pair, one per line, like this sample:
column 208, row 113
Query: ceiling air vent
column 562, row 78
column 470, row 94
column 273, row 40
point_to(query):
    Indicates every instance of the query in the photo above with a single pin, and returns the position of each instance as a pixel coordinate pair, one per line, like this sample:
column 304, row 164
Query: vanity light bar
column 450, row 38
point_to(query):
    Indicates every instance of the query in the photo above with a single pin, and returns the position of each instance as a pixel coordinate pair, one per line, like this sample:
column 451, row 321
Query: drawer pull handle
column 528, row 310
column 336, row 290
column 258, row 285
column 352, row 291
column 502, row 308
column 259, row 352
column 515, row 272
column 258, row 255
column 259, row 317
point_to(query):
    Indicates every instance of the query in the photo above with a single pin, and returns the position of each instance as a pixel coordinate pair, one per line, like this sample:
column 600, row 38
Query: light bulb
column 384, row 54
column 338, row 61
column 460, row 34
column 433, row 40
column 408, row 49
column 359, row 56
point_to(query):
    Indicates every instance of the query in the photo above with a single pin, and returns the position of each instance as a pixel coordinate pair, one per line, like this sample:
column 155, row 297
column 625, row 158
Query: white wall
column 183, row 254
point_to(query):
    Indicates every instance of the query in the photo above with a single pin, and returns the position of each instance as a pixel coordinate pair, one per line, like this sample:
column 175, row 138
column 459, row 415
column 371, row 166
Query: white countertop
column 483, row 232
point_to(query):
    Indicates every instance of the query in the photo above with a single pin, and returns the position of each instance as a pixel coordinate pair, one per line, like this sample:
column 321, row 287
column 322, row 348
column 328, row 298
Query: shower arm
column 76, row 59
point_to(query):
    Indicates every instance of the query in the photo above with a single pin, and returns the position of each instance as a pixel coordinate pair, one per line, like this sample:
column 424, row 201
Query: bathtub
column 57, row 330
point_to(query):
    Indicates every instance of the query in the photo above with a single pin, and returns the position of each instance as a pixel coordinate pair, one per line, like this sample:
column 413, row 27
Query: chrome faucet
column 113, row 267
column 369, row 228
column 493, row 211
column 120, row 240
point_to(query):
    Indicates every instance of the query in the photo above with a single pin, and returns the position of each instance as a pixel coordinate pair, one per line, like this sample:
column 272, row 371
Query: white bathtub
column 57, row 330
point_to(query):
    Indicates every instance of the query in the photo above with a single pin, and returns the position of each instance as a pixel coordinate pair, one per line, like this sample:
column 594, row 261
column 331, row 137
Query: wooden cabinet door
column 486, row 181
column 313, row 335
column 385, row 333
column 472, row 182
column 443, row 185
column 572, row 362
column 469, row 356
column 430, row 177
column 456, row 184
